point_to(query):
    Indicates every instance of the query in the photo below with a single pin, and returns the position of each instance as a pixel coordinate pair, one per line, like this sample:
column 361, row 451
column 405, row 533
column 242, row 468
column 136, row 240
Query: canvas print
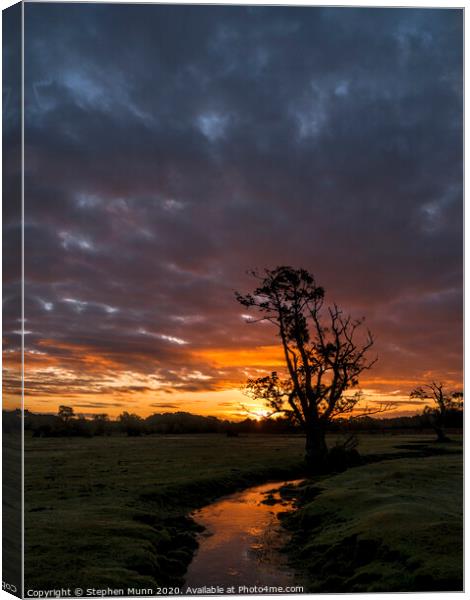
column 232, row 299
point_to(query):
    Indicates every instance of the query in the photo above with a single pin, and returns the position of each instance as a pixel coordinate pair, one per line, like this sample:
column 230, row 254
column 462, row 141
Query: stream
column 241, row 540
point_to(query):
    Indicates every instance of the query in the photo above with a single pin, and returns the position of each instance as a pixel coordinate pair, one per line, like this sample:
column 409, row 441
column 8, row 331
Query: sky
column 169, row 149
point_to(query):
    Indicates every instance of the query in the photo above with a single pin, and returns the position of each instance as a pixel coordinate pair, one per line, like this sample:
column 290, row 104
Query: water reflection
column 241, row 541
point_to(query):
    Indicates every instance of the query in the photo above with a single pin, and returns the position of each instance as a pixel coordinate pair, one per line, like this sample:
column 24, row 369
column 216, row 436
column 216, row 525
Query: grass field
column 113, row 511
column 389, row 526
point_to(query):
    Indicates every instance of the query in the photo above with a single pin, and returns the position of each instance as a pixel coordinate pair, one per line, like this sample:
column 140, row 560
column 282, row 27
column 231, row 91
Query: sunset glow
column 148, row 198
column 94, row 384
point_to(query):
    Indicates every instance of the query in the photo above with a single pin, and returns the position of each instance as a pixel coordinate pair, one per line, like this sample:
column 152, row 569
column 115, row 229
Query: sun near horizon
column 148, row 198
column 213, row 388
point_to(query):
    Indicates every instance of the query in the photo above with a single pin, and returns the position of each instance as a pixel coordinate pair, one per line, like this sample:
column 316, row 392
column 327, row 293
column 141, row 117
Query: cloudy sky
column 171, row 148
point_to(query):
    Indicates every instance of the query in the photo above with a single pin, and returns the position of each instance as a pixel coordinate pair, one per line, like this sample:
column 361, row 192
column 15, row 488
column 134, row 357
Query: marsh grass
column 113, row 511
column 389, row 526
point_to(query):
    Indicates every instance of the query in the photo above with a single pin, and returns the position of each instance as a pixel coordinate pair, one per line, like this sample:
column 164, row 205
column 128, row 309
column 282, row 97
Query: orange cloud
column 204, row 381
column 259, row 357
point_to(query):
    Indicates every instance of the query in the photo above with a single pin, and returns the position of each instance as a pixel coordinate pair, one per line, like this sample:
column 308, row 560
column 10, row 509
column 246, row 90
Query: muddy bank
column 177, row 535
column 242, row 540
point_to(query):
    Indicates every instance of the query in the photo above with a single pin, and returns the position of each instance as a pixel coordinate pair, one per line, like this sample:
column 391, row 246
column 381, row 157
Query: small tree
column 65, row 413
column 443, row 403
column 322, row 355
column 100, row 422
column 132, row 424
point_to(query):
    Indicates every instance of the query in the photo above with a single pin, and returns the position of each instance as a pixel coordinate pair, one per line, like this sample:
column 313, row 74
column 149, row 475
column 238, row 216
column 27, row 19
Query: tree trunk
column 441, row 436
column 316, row 450
column 437, row 424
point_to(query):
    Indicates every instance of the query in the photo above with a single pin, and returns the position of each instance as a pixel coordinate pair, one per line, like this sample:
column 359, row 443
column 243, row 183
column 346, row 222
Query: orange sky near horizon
column 164, row 182
column 95, row 384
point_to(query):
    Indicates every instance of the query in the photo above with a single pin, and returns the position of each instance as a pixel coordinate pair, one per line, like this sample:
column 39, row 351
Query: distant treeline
column 67, row 423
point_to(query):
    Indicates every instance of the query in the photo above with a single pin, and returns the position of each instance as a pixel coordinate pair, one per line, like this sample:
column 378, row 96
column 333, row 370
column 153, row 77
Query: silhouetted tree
column 100, row 422
column 322, row 356
column 66, row 413
column 443, row 403
column 132, row 424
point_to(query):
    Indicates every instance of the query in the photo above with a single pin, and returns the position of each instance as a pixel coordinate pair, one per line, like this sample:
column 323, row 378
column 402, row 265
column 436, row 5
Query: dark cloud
column 98, row 405
column 170, row 148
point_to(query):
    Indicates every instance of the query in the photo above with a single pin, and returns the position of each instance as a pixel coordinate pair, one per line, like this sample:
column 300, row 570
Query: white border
column 345, row 3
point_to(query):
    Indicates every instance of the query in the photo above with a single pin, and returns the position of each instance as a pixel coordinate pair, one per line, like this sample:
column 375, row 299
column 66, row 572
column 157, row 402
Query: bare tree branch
column 322, row 354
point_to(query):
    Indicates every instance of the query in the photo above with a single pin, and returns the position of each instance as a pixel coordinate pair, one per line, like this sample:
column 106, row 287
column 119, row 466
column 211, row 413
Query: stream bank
column 242, row 541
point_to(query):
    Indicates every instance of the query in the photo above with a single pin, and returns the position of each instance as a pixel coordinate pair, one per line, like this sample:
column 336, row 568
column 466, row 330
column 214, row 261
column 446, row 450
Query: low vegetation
column 391, row 526
column 113, row 511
